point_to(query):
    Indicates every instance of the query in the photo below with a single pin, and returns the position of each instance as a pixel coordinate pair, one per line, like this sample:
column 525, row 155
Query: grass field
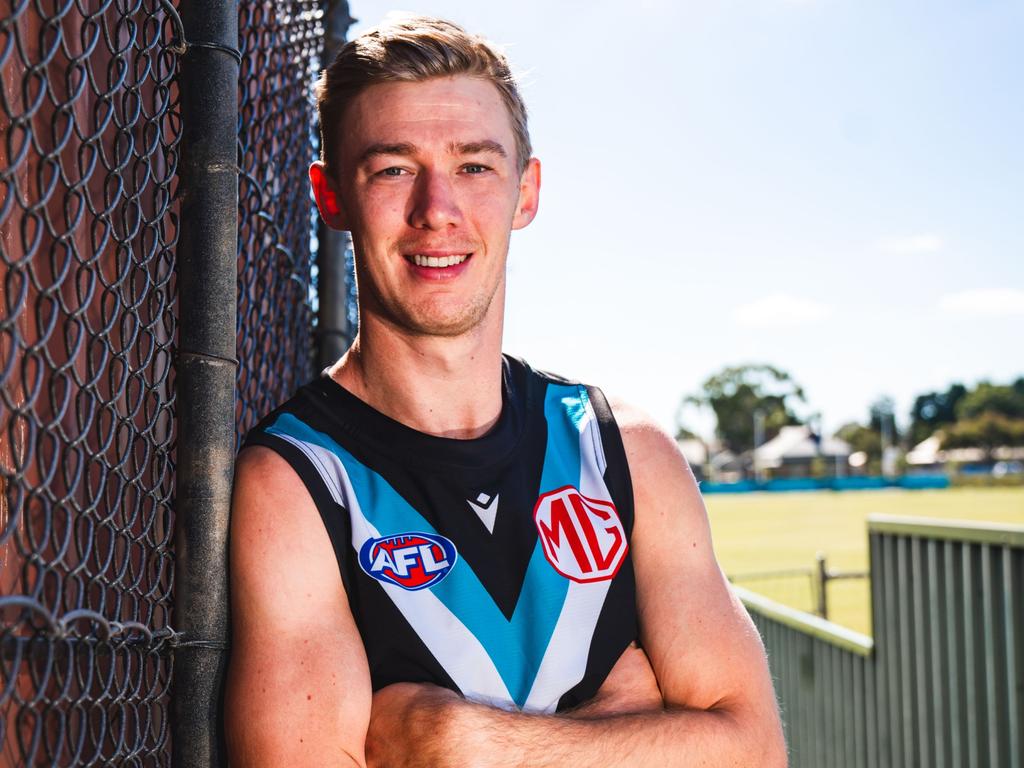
column 756, row 532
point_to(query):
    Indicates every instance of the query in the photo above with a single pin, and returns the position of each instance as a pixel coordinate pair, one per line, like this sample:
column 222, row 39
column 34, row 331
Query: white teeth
column 438, row 261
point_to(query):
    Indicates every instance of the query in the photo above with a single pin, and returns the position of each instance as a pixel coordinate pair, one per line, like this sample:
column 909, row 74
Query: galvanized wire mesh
column 87, row 328
column 280, row 44
column 88, row 324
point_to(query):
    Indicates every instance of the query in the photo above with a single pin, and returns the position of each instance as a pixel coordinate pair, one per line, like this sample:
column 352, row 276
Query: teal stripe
column 516, row 647
column 544, row 589
column 461, row 591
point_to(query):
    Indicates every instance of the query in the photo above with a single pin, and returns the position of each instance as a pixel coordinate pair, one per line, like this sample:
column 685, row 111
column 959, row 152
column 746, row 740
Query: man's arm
column 298, row 690
column 705, row 652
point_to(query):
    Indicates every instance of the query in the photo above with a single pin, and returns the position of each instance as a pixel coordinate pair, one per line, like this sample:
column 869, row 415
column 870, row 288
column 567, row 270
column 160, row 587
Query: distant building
column 798, row 452
column 928, row 455
column 728, row 467
column 696, row 453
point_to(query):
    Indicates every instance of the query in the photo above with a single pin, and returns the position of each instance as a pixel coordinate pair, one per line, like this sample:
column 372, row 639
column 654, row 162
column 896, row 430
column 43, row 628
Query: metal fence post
column 821, row 571
column 334, row 333
column 205, row 375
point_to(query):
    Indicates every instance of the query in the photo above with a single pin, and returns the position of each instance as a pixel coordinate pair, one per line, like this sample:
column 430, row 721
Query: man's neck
column 444, row 386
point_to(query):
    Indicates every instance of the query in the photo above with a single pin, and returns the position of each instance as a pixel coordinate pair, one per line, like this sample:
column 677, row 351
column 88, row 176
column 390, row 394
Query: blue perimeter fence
column 858, row 483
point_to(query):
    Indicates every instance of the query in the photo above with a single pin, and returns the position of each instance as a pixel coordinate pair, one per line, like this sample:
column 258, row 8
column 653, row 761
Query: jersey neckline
column 390, row 436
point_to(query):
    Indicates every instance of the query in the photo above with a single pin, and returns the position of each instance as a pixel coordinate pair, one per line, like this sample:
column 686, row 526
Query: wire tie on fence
column 176, row 641
column 232, row 52
column 180, row 45
column 207, row 356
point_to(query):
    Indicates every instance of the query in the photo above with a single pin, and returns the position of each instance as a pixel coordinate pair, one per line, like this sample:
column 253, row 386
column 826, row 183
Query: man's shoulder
column 276, row 450
column 539, row 380
column 519, row 366
column 302, row 404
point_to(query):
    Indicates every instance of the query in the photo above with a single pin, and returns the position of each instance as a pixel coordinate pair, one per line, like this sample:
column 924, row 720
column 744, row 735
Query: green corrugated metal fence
column 941, row 684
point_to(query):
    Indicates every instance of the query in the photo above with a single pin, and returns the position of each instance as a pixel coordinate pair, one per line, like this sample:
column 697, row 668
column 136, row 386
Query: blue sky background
column 835, row 187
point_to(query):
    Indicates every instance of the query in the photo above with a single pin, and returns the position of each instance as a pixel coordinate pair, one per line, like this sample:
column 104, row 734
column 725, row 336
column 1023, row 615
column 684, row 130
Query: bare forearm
column 449, row 732
column 679, row 737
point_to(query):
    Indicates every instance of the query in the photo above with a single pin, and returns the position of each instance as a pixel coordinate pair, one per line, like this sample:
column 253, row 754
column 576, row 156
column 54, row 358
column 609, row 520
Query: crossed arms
column 299, row 687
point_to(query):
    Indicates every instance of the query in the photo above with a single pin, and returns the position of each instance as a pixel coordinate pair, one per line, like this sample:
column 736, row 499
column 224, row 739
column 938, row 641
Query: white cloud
column 911, row 245
column 779, row 310
column 991, row 302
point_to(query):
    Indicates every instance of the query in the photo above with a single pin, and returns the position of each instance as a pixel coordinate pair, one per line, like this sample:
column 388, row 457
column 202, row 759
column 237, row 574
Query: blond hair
column 409, row 48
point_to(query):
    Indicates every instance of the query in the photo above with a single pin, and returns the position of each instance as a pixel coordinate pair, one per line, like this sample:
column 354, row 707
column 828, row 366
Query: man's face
column 430, row 189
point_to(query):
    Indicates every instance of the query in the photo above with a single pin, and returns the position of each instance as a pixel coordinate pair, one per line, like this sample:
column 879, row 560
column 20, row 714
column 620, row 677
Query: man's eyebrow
column 405, row 149
column 382, row 148
column 477, row 147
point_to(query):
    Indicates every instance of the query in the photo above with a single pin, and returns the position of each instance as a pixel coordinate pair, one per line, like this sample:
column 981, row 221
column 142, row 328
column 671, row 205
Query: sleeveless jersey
column 497, row 567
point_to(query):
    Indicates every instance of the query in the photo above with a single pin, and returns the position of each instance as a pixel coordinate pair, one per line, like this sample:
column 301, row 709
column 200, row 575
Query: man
column 441, row 557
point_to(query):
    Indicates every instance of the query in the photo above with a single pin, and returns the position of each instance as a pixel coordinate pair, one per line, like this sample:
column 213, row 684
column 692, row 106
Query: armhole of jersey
column 616, row 476
column 333, row 515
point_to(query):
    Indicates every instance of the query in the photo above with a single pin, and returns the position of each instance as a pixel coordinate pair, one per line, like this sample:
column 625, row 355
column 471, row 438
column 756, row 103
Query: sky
column 834, row 187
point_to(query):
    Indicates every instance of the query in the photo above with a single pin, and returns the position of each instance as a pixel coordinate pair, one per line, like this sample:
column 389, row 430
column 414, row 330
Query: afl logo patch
column 409, row 560
column 583, row 538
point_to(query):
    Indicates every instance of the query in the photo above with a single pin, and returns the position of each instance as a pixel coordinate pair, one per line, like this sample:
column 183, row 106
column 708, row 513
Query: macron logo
column 486, row 508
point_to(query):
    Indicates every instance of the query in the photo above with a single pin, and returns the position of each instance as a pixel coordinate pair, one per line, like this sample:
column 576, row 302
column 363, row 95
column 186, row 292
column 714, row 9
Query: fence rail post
column 822, row 578
column 205, row 375
column 333, row 332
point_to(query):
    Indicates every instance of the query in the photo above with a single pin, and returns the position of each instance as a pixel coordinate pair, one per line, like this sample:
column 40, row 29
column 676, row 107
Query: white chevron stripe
column 565, row 661
column 454, row 646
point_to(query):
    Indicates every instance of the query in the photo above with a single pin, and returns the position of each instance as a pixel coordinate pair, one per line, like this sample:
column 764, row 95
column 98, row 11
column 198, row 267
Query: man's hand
column 408, row 726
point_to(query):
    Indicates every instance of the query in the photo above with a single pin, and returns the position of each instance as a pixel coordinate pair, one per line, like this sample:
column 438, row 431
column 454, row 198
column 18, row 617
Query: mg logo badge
column 583, row 538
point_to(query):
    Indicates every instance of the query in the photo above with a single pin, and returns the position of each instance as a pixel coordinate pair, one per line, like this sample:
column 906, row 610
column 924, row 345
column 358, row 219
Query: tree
column 882, row 417
column 683, row 433
column 736, row 393
column 869, row 438
column 988, row 431
column 861, row 439
column 1006, row 401
column 933, row 410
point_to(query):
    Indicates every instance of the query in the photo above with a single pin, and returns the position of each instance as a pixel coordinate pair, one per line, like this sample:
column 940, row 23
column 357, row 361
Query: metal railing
column 942, row 682
column 805, row 589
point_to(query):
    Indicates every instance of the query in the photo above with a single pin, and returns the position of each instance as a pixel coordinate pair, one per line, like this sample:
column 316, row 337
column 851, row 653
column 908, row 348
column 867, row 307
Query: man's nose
column 434, row 203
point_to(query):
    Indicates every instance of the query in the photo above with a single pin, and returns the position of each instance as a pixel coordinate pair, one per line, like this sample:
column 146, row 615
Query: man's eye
column 393, row 171
column 475, row 168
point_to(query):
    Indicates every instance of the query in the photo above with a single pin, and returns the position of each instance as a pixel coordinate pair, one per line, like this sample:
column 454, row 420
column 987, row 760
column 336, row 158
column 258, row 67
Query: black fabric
column 437, row 476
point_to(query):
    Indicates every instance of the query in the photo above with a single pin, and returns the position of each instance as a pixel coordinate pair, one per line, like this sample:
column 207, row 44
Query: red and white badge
column 583, row 538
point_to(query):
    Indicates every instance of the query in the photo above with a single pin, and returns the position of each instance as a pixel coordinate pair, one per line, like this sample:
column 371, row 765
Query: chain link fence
column 280, row 45
column 88, row 326
column 87, row 329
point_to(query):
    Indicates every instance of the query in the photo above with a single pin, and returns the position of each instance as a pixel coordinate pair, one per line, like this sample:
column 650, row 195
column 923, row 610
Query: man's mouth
column 438, row 262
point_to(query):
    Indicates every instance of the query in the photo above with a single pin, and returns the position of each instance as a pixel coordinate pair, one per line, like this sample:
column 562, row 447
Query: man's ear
column 529, row 195
column 327, row 198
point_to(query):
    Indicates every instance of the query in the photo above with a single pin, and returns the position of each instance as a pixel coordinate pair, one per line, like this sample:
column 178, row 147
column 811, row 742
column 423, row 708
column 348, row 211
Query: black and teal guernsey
column 497, row 567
